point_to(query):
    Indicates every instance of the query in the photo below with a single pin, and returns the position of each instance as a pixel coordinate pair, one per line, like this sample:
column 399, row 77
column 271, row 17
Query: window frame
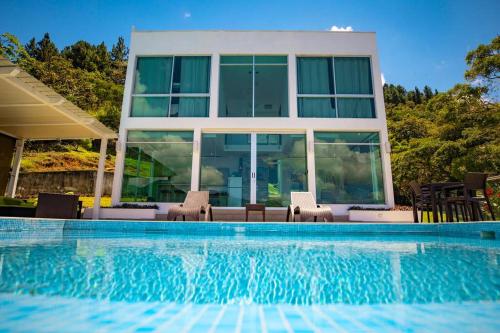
column 253, row 64
column 171, row 95
column 335, row 96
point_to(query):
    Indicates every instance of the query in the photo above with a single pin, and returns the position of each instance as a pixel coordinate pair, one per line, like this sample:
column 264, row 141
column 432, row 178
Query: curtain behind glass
column 356, row 107
column 189, row 107
column 153, row 75
column 353, row 75
column 315, row 76
column 317, row 107
column 191, row 75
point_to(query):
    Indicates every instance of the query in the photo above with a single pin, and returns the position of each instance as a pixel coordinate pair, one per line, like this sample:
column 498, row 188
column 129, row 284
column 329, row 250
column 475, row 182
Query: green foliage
column 484, row 61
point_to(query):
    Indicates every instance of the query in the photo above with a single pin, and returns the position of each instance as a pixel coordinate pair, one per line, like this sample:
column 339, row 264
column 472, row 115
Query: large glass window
column 225, row 168
column 281, row 167
column 335, row 87
column 253, row 86
column 157, row 166
column 348, row 168
column 171, row 87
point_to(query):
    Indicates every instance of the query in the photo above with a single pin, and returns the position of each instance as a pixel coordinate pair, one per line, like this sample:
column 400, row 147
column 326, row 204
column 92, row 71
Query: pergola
column 31, row 110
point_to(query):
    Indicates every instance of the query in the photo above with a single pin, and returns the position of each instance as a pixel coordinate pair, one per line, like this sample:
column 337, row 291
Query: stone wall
column 78, row 182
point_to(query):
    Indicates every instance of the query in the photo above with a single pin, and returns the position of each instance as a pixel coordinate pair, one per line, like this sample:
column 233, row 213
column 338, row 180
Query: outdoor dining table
column 435, row 190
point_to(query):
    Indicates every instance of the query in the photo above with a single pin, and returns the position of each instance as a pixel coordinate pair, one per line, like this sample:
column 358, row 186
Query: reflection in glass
column 348, row 173
column 152, row 75
column 271, row 91
column 235, row 91
column 281, row 167
column 149, row 106
column 225, row 168
column 157, row 166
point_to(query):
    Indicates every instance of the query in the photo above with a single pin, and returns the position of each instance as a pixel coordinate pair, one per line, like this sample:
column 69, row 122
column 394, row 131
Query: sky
column 420, row 42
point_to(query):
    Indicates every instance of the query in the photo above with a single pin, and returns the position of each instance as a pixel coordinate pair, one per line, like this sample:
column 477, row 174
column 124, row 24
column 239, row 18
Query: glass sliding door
column 281, row 167
column 226, row 168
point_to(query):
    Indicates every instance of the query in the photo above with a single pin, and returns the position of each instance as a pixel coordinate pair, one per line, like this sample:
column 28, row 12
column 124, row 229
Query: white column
column 292, row 86
column 16, row 166
column 253, row 168
column 311, row 167
column 99, row 181
column 118, row 175
column 195, row 166
column 214, row 86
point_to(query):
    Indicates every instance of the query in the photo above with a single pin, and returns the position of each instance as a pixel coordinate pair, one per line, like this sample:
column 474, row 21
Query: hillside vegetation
column 435, row 136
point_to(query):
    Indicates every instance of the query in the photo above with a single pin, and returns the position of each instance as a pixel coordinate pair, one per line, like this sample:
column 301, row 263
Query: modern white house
column 251, row 116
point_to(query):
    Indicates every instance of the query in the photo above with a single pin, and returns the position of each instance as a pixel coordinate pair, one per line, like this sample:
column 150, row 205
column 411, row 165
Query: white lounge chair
column 304, row 205
column 196, row 203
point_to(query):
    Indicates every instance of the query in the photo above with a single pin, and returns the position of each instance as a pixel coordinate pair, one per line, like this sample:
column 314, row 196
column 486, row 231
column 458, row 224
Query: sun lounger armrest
column 207, row 213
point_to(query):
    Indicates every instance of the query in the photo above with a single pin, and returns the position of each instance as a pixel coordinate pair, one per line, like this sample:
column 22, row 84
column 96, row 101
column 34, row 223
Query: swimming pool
column 150, row 276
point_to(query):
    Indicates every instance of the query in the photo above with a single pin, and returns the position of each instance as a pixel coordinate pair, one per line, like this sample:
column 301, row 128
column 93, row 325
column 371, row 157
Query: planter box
column 381, row 215
column 123, row 213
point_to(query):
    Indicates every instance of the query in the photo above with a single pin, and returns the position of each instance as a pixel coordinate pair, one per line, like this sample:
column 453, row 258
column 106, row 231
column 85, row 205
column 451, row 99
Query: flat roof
column 31, row 110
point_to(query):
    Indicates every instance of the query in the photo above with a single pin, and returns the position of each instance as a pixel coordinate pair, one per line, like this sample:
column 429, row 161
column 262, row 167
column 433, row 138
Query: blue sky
column 420, row 42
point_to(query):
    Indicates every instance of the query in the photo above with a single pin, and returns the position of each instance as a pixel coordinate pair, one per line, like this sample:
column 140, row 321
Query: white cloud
column 382, row 77
column 187, row 15
column 335, row 28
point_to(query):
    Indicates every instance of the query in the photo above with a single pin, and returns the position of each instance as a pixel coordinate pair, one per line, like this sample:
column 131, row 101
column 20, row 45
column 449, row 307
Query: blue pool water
column 242, row 281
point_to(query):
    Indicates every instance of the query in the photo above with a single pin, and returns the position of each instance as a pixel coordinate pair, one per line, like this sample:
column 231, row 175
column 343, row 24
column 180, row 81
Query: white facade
column 293, row 44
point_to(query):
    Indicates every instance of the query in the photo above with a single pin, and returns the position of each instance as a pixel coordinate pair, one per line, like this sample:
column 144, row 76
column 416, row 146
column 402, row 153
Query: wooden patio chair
column 304, row 205
column 196, row 203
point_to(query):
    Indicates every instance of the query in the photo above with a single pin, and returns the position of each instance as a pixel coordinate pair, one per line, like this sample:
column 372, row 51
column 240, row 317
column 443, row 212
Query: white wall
column 291, row 43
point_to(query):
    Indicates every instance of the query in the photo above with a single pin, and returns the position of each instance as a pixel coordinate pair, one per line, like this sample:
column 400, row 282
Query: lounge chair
column 58, row 206
column 196, row 203
column 304, row 205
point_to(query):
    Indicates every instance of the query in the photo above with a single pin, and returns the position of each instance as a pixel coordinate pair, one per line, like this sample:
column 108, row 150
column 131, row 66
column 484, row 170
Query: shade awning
column 31, row 110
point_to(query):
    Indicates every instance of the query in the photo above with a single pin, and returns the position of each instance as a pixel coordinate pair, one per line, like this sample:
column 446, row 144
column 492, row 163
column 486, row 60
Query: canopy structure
column 31, row 110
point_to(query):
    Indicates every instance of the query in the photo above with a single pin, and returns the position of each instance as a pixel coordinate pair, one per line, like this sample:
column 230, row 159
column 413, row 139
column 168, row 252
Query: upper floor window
column 253, row 86
column 171, row 87
column 339, row 87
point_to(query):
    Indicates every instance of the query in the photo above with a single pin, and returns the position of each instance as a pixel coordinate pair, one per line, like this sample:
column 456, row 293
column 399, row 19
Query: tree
column 427, row 92
column 45, row 49
column 484, row 62
column 119, row 51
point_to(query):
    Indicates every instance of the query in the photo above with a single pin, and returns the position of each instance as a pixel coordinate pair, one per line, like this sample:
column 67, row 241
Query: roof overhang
column 31, row 110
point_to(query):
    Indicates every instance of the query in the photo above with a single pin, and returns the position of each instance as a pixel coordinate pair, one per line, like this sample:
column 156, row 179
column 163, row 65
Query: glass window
column 317, row 107
column 281, row 167
column 225, row 169
column 157, row 166
column 191, row 75
column 253, row 86
column 356, row 107
column 315, row 76
column 353, row 75
column 163, row 86
column 348, row 168
column 189, row 107
column 152, row 75
column 271, row 91
column 334, row 78
column 150, row 106
column 235, row 91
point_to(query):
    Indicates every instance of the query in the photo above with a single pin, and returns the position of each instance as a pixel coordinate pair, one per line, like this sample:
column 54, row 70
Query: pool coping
column 474, row 229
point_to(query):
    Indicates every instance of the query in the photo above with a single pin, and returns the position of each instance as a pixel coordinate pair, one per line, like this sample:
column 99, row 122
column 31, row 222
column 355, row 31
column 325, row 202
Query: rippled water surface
column 252, row 270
